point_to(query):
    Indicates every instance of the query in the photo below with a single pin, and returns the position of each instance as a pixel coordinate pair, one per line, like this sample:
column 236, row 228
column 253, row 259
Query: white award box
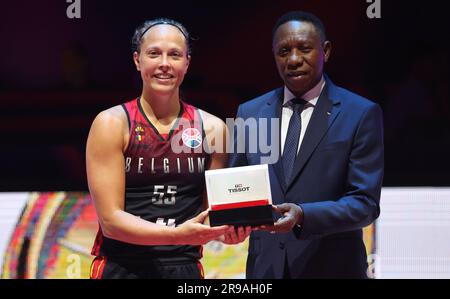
column 239, row 196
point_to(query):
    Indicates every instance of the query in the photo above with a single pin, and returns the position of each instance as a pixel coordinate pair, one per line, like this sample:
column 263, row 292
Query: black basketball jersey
column 164, row 180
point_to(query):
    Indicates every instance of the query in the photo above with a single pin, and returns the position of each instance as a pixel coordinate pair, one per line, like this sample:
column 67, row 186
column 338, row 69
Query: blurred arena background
column 50, row 235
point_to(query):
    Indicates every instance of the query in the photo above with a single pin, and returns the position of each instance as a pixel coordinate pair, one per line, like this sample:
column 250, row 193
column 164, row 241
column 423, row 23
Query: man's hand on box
column 292, row 215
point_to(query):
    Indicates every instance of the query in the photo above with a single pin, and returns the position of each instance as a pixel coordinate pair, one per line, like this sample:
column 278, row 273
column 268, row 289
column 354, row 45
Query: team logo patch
column 192, row 138
column 139, row 131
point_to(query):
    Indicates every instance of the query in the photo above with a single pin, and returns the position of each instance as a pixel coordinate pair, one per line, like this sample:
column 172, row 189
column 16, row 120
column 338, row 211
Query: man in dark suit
column 327, row 180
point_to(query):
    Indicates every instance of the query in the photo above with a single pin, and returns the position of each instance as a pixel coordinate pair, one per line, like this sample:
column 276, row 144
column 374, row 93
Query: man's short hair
column 301, row 16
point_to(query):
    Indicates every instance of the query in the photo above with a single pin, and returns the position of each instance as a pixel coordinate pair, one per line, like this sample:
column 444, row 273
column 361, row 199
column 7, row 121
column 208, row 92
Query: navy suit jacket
column 336, row 180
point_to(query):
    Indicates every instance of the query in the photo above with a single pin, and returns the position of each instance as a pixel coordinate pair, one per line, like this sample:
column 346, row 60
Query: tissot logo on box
column 238, row 184
column 239, row 188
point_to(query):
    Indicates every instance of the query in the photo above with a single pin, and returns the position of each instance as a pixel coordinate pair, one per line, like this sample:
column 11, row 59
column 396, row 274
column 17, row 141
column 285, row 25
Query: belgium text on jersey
column 164, row 165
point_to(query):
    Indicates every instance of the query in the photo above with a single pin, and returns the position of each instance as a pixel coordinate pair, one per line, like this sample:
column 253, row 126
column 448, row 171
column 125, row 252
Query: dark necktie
column 292, row 138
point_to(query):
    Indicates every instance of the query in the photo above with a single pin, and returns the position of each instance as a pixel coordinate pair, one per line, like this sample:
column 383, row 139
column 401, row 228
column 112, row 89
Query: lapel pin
column 328, row 113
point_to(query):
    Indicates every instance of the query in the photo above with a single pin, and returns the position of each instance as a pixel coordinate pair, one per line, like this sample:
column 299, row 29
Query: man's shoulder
column 350, row 98
column 267, row 97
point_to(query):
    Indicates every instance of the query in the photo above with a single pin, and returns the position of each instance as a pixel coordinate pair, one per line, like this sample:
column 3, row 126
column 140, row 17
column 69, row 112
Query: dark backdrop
column 57, row 73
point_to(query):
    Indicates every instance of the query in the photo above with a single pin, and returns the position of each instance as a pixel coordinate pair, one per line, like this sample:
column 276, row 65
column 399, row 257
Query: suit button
column 281, row 245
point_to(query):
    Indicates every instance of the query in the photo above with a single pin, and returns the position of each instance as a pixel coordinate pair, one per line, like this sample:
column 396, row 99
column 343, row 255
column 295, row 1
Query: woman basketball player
column 149, row 190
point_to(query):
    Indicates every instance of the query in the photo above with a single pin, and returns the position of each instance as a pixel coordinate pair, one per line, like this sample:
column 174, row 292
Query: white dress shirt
column 311, row 97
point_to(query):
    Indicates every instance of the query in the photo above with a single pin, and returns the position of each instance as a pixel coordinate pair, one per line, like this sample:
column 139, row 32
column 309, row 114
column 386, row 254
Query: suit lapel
column 322, row 118
column 273, row 110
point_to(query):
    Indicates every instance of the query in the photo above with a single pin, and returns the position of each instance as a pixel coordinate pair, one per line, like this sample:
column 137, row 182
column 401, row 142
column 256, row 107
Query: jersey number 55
column 164, row 195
